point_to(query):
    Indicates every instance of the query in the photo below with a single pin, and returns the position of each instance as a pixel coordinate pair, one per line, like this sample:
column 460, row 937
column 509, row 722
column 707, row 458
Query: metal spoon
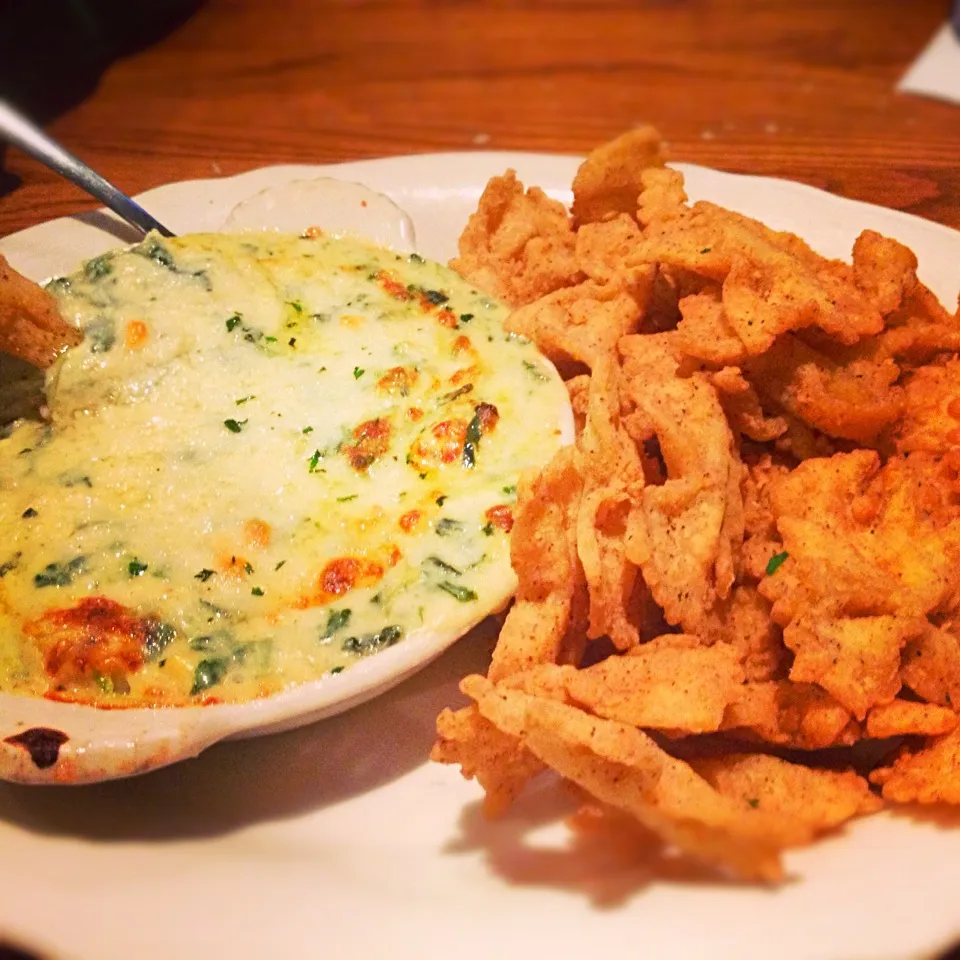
column 23, row 133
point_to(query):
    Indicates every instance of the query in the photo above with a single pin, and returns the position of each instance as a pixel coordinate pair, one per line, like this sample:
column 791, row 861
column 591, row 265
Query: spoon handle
column 21, row 132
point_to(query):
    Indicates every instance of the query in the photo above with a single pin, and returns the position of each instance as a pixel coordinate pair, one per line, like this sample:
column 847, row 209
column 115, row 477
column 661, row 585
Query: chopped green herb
column 509, row 491
column 441, row 501
column 233, row 322
column 292, row 342
column 257, row 591
column 466, row 317
column 458, row 592
column 270, row 339
column 244, row 400
column 136, row 569
column 314, row 460
column 204, row 575
column 105, row 683
column 353, row 496
column 416, row 258
column 336, row 620
column 234, row 426
column 754, row 802
column 307, row 430
column 208, row 673
column 358, row 372
column 60, row 574
column 487, row 529
column 337, row 670
column 10, row 564
column 296, row 305
column 28, row 513
column 372, row 642
column 436, row 297
column 776, row 562
column 706, row 249
column 279, row 564
column 248, row 567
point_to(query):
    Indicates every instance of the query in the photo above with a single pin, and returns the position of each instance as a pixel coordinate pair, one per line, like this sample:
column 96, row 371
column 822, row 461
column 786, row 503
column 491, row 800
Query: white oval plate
column 341, row 840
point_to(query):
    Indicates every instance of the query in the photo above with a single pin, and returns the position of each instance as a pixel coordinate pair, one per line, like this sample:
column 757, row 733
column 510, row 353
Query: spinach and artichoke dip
column 270, row 457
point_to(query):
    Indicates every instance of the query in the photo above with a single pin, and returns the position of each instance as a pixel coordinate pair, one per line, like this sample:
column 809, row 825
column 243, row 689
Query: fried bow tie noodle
column 736, row 624
column 31, row 327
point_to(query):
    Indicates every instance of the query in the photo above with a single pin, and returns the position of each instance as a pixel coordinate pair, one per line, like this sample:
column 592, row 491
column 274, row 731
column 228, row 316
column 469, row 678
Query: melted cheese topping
column 271, row 456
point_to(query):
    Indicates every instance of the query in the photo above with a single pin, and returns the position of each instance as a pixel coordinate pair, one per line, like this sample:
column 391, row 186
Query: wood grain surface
column 803, row 89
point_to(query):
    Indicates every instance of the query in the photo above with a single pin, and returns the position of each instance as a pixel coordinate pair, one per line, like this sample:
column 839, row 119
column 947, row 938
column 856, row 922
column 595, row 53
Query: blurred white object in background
column 936, row 72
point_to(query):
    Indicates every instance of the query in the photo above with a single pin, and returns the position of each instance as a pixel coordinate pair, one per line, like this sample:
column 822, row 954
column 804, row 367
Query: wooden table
column 794, row 88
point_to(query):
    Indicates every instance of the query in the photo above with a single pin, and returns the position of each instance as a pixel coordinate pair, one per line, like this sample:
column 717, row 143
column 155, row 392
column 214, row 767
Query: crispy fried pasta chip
column 751, row 553
column 30, row 326
column 518, row 246
column 684, row 531
column 611, row 178
column 546, row 624
column 671, row 683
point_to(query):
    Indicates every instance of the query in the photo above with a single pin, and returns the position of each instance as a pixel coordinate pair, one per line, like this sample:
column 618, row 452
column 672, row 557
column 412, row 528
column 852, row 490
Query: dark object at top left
column 52, row 52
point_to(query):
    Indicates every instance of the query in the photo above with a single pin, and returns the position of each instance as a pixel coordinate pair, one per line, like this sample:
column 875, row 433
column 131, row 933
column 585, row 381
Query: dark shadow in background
column 53, row 52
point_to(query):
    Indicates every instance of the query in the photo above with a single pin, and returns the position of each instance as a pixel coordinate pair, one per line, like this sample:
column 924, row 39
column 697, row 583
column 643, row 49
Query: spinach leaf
column 463, row 594
column 369, row 643
column 485, row 415
column 336, row 620
column 98, row 267
column 208, row 674
column 102, row 334
column 159, row 636
column 158, row 253
column 59, row 574
column 59, row 286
